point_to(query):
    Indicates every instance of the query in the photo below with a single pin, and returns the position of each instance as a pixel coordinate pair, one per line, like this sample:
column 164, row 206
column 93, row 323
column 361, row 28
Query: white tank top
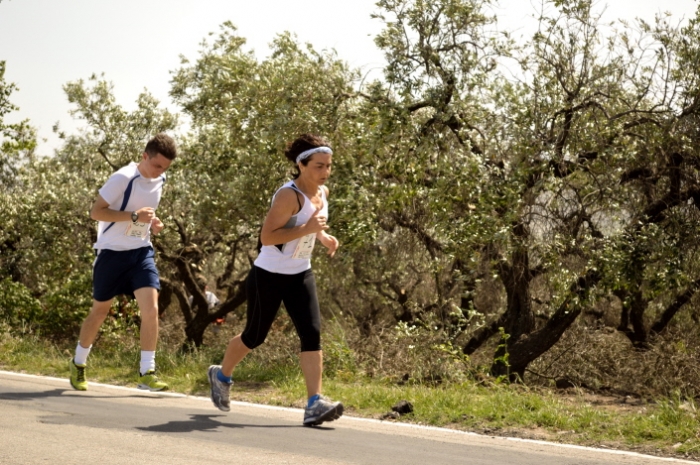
column 295, row 256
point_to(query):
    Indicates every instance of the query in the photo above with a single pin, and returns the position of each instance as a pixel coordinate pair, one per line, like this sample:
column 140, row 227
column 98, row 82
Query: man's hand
column 156, row 225
column 146, row 214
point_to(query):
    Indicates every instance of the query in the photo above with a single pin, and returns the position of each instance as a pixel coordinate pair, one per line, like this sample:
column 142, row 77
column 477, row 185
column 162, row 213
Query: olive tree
column 49, row 225
column 243, row 111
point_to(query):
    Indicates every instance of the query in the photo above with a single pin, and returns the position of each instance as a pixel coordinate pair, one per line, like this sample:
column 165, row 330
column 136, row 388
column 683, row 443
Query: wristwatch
column 134, row 217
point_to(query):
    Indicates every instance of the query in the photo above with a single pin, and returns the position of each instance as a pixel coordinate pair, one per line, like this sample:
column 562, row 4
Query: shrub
column 18, row 308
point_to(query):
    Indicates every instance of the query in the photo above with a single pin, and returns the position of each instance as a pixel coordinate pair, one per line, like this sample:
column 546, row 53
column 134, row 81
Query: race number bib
column 305, row 247
column 139, row 230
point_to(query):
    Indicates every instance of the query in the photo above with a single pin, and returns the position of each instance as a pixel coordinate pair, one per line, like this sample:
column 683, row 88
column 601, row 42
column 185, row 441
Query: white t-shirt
column 295, row 256
column 145, row 192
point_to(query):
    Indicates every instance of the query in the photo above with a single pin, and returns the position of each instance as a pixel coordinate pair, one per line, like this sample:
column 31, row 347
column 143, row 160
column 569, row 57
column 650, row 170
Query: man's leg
column 91, row 324
column 88, row 334
column 147, row 298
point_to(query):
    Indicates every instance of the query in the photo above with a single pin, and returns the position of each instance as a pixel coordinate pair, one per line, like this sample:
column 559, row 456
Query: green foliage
column 339, row 360
column 56, row 316
column 467, row 198
column 17, row 140
column 243, row 113
column 117, row 136
column 47, row 238
column 17, row 143
column 18, row 308
column 502, row 355
column 66, row 307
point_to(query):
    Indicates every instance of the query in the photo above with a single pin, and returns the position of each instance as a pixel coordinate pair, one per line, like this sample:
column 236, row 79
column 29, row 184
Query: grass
column 664, row 427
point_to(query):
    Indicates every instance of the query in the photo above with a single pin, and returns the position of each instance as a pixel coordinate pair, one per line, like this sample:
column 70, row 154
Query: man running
column 126, row 211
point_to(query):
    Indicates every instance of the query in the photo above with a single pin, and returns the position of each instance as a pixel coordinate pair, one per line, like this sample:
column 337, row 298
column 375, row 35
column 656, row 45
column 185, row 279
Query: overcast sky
column 137, row 43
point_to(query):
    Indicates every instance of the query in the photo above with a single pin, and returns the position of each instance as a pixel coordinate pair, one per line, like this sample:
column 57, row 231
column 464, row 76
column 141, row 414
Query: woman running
column 282, row 273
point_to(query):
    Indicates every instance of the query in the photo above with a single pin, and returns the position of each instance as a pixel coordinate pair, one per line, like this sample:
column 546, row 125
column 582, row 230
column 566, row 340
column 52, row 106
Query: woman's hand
column 316, row 223
column 330, row 242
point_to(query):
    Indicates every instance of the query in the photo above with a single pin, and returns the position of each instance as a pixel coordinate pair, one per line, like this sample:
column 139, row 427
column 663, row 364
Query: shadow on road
column 31, row 395
column 208, row 423
column 195, row 423
column 62, row 393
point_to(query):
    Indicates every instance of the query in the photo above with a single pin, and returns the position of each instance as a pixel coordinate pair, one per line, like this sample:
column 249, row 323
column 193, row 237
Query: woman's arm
column 330, row 242
column 283, row 208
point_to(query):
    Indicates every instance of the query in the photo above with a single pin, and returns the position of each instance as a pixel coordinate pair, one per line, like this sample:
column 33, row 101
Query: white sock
column 148, row 361
column 81, row 354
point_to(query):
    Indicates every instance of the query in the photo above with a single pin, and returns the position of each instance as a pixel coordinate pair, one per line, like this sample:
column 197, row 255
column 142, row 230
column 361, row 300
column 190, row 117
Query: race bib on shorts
column 305, row 246
column 139, row 230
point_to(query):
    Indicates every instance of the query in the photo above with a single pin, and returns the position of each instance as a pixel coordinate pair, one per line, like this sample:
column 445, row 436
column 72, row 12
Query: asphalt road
column 44, row 421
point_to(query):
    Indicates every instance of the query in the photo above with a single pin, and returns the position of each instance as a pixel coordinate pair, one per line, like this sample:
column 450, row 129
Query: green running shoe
column 77, row 376
column 151, row 382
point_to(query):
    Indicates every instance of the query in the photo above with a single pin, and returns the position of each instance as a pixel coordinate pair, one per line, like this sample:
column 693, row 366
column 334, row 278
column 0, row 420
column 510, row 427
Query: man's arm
column 101, row 212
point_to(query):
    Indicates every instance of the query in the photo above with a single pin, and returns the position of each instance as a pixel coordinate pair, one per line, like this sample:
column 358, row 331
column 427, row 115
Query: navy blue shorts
column 117, row 272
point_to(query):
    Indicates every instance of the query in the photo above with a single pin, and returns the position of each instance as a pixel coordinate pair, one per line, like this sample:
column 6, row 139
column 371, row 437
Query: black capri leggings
column 266, row 291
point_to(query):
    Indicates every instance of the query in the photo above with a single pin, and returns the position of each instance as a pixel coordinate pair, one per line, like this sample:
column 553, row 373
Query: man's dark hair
column 163, row 144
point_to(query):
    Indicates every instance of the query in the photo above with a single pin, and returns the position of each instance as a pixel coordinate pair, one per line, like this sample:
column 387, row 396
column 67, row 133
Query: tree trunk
column 529, row 347
column 195, row 328
column 165, row 297
column 518, row 319
column 675, row 306
column 633, row 307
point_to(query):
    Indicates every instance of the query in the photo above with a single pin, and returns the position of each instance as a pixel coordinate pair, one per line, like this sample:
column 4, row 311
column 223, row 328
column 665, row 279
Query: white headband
column 306, row 154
